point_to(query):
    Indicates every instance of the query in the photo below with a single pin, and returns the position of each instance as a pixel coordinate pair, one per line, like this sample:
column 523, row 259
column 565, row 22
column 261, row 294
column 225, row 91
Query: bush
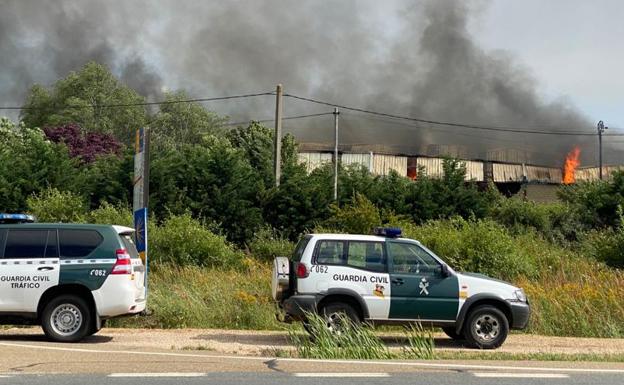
column 557, row 222
column 606, row 246
column 182, row 240
column 267, row 244
column 358, row 217
column 108, row 214
column 52, row 205
column 481, row 246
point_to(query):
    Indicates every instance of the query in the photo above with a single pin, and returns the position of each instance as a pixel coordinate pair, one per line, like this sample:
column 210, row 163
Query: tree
column 84, row 98
column 29, row 164
column 212, row 181
column 86, row 146
column 183, row 123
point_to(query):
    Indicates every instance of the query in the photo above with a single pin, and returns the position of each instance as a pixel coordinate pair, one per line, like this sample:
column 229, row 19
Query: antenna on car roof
column 16, row 218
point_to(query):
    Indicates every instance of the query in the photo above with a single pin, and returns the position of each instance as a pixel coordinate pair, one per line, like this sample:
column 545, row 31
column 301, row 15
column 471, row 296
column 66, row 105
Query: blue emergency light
column 390, row 232
column 16, row 218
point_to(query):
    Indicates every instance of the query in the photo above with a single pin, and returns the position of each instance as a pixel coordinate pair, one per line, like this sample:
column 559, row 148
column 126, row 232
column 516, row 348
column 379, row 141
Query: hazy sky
column 551, row 65
column 574, row 48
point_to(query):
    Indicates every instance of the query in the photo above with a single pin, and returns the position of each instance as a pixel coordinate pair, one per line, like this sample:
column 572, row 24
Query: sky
column 574, row 48
column 548, row 65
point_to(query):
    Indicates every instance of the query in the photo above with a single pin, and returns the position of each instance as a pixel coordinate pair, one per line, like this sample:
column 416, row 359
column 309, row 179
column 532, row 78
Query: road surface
column 29, row 359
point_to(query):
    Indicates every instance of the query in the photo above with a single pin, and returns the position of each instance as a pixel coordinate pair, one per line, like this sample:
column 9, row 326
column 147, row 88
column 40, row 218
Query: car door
column 420, row 290
column 30, row 266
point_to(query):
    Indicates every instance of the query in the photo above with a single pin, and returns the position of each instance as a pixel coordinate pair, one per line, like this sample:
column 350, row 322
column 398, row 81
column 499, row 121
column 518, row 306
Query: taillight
column 123, row 264
column 302, row 270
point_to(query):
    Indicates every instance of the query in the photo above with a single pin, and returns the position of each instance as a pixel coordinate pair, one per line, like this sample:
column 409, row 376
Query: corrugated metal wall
column 357, row 159
column 314, row 160
column 544, row 174
column 590, row 174
column 383, row 164
column 433, row 168
column 503, row 172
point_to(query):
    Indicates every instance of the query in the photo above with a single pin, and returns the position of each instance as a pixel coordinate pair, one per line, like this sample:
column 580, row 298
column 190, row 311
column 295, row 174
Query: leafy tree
column 108, row 179
column 183, row 123
column 214, row 181
column 85, row 146
column 81, row 98
column 28, row 164
column 256, row 142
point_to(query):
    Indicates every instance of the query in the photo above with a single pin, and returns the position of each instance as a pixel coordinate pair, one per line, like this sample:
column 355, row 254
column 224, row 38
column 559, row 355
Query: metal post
column 601, row 128
column 277, row 155
column 336, row 113
column 146, row 172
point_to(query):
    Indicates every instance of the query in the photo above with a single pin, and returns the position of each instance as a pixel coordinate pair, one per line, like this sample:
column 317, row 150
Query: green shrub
column 108, row 214
column 481, row 246
column 52, row 205
column 182, row 240
column 358, row 217
column 606, row 246
column 267, row 244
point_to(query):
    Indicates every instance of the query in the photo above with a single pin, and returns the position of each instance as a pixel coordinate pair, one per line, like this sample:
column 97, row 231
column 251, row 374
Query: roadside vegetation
column 217, row 219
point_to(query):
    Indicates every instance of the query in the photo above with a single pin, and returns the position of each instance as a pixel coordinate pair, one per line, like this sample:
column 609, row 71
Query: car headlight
column 520, row 295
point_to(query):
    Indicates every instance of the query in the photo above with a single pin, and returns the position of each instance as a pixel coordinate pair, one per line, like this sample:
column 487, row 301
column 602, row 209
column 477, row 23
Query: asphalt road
column 441, row 378
column 39, row 362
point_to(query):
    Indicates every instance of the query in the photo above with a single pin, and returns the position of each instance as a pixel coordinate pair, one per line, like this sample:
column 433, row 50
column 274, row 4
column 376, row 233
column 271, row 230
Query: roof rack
column 16, row 218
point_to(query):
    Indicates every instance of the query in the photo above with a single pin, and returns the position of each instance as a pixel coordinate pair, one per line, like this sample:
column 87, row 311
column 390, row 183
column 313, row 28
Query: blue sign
column 140, row 227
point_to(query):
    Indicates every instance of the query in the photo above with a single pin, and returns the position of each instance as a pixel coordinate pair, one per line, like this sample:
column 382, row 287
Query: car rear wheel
column 66, row 318
column 336, row 313
column 486, row 327
column 451, row 331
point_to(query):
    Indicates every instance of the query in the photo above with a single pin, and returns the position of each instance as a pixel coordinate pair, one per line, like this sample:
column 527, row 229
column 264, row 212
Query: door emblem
column 379, row 291
column 423, row 286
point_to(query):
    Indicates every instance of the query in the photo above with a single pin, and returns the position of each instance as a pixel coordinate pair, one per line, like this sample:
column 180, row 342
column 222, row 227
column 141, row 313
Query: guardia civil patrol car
column 385, row 279
column 69, row 278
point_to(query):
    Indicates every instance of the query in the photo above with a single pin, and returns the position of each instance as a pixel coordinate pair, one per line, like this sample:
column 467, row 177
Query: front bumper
column 297, row 306
column 520, row 313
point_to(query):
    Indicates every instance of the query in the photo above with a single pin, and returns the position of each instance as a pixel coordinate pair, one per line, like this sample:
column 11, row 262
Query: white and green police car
column 385, row 279
column 69, row 278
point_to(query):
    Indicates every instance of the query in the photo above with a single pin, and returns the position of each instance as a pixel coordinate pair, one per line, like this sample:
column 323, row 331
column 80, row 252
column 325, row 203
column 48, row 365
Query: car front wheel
column 66, row 318
column 486, row 327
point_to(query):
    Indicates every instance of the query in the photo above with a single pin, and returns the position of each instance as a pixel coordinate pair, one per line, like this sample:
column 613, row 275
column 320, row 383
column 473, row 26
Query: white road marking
column 342, row 375
column 519, row 375
column 181, row 374
column 449, row 366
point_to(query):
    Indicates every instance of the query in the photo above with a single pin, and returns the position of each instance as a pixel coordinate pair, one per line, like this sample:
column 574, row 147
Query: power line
column 164, row 102
column 286, row 118
column 452, row 124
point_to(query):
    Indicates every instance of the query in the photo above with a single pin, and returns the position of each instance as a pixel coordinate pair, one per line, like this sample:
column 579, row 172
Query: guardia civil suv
column 69, row 278
column 386, row 279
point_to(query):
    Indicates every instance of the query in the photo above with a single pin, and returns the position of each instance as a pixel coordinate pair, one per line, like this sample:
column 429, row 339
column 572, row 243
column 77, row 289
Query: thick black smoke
column 403, row 57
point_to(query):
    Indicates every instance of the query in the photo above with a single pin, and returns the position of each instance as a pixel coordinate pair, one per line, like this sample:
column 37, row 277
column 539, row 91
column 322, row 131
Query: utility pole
column 336, row 113
column 601, row 128
column 277, row 155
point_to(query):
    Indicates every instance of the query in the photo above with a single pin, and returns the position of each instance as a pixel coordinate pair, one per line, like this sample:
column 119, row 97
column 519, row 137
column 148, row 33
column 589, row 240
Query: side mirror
column 445, row 271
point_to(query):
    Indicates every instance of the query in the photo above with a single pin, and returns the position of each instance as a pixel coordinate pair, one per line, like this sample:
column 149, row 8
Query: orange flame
column 571, row 164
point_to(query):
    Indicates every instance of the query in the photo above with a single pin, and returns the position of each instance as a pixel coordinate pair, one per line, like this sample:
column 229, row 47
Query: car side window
column 411, row 258
column 3, row 234
column 367, row 255
column 26, row 244
column 330, row 252
column 78, row 243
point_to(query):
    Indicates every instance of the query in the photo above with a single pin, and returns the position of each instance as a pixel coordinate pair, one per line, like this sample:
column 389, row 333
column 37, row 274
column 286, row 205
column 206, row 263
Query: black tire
column 486, row 327
column 451, row 331
column 66, row 318
column 332, row 311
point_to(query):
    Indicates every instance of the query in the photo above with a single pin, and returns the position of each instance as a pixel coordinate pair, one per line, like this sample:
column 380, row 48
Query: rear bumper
column 520, row 313
column 297, row 306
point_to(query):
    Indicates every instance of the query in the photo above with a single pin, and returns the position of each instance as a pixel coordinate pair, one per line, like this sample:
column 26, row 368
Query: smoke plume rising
column 403, row 57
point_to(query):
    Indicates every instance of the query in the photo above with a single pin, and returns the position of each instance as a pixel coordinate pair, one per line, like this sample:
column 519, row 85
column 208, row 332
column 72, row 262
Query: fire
column 571, row 164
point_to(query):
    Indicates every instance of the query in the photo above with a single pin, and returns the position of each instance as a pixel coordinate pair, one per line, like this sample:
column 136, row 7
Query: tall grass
column 196, row 297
